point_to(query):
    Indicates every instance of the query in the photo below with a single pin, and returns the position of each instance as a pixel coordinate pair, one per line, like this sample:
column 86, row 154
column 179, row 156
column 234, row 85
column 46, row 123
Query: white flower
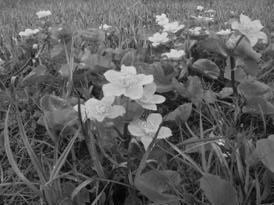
column 200, row 8
column 224, row 32
column 28, row 32
column 35, row 46
column 104, row 27
column 149, row 99
column 162, row 19
column 145, row 130
column 158, row 38
column 42, row 14
column 195, row 31
column 126, row 82
column 174, row 54
column 251, row 29
column 94, row 109
column 173, row 27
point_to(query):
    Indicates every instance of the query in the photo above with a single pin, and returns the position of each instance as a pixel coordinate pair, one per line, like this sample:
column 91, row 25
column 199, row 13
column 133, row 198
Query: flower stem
column 145, row 156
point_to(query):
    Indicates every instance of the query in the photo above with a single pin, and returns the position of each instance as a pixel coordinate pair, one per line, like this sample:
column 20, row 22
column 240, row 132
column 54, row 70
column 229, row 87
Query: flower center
column 102, row 109
column 128, row 80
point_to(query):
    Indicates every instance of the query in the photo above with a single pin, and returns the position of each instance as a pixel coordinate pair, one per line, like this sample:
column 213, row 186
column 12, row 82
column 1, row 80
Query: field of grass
column 101, row 163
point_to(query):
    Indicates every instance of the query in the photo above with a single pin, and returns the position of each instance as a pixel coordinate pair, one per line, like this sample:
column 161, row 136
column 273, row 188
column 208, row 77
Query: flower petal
column 145, row 79
column 158, row 99
column 150, row 89
column 253, row 39
column 135, row 129
column 261, row 35
column 148, row 106
column 112, row 90
column 112, row 75
column 257, row 24
column 135, row 92
column 146, row 141
column 155, row 120
column 108, row 100
column 164, row 132
column 116, row 111
column 128, row 69
column 244, row 19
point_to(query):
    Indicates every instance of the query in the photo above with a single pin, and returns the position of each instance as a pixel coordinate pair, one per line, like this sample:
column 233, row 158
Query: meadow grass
column 15, row 16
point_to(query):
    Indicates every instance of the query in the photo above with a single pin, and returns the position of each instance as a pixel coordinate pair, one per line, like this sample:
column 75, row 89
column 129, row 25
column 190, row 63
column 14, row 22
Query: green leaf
column 92, row 34
column 57, row 50
column 129, row 58
column 58, row 113
column 258, row 105
column 254, row 88
column 95, row 62
column 180, row 114
column 37, row 75
column 214, row 45
column 154, row 185
column 195, row 89
column 265, row 151
column 245, row 50
column 208, row 67
column 218, row 191
column 251, row 66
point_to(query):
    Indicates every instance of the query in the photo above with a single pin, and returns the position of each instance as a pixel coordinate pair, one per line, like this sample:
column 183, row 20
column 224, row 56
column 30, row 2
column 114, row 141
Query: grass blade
column 60, row 162
column 12, row 160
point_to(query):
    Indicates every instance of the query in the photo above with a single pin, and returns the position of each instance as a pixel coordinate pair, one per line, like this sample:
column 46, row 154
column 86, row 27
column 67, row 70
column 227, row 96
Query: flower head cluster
column 251, row 29
column 94, row 109
column 158, row 38
column 28, row 32
column 174, row 54
column 146, row 130
column 42, row 14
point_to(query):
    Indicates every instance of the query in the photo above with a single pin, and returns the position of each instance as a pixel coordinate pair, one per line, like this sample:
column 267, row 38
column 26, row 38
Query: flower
column 174, row 54
column 126, row 82
column 149, row 100
column 104, row 27
column 173, row 27
column 35, row 46
column 224, row 32
column 146, row 130
column 42, row 14
column 195, row 31
column 251, row 29
column 162, row 19
column 94, row 109
column 200, row 8
column 28, row 32
column 158, row 38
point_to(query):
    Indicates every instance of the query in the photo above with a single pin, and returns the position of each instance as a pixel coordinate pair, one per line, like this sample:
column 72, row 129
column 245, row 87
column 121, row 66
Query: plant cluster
column 147, row 111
